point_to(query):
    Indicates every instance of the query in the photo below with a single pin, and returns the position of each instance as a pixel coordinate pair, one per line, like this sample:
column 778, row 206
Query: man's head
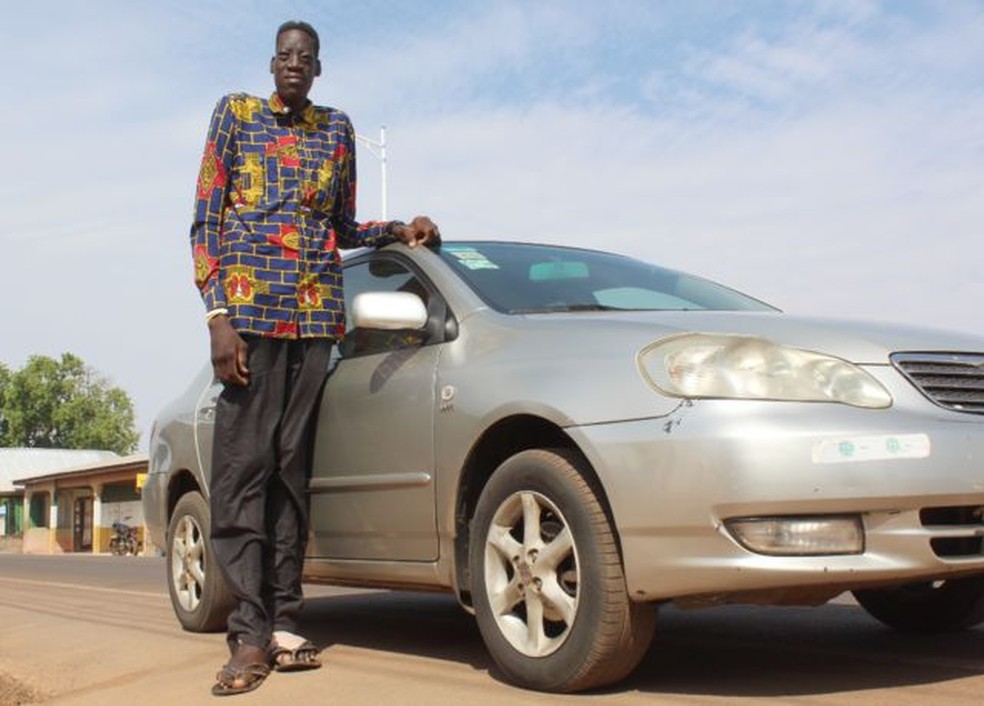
column 295, row 63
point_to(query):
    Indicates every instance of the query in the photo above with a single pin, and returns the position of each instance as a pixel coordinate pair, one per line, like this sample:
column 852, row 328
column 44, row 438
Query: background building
column 69, row 499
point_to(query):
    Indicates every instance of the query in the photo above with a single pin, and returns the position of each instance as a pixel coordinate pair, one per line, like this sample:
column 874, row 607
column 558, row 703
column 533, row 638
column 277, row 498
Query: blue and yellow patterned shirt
column 275, row 201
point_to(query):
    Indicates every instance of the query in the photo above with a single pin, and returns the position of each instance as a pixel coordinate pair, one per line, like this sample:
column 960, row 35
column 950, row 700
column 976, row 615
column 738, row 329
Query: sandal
column 304, row 656
column 238, row 680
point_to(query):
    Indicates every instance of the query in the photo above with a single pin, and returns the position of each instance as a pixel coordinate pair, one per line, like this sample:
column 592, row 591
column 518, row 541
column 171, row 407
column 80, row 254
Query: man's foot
column 246, row 670
column 293, row 653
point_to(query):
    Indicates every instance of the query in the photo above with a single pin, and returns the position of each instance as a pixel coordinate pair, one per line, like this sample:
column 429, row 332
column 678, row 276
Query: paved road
column 99, row 630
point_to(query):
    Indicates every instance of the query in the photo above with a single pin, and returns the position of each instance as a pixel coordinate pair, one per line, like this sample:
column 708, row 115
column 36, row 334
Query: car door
column 372, row 487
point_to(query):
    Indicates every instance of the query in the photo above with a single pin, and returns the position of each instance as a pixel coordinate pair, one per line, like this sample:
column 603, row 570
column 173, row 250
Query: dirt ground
column 92, row 631
column 14, row 693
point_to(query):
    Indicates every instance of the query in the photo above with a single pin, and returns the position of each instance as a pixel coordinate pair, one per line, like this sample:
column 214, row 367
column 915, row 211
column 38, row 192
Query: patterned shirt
column 275, row 201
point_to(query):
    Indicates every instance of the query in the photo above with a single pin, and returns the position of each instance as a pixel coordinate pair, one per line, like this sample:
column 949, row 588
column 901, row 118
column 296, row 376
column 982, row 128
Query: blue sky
column 825, row 156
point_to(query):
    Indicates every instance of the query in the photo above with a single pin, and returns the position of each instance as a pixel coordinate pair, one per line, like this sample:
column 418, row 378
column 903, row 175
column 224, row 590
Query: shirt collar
column 278, row 107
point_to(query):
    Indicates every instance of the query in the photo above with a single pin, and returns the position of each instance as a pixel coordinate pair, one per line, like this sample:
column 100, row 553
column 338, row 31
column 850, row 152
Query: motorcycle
column 124, row 540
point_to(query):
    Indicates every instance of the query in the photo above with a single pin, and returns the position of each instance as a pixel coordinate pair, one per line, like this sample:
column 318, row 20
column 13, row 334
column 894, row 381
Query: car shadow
column 753, row 651
column 729, row 651
column 429, row 625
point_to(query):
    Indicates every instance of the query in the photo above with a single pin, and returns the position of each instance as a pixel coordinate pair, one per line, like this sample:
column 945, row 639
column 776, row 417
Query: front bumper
column 672, row 482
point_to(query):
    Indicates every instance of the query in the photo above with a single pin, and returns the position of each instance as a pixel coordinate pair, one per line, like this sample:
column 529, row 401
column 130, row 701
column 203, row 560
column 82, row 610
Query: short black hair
column 304, row 27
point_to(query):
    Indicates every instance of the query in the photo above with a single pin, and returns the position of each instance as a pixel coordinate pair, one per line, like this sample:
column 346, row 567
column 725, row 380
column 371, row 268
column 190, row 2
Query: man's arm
column 210, row 199
column 348, row 232
column 228, row 348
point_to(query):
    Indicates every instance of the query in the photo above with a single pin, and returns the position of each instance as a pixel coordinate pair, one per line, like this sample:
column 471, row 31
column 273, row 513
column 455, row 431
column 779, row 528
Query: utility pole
column 378, row 150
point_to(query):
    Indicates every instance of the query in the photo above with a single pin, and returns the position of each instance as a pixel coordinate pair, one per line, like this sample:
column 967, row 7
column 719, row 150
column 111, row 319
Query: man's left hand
column 420, row 231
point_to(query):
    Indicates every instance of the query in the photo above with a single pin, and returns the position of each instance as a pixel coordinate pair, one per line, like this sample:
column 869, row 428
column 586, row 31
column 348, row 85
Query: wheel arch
column 504, row 439
column 181, row 482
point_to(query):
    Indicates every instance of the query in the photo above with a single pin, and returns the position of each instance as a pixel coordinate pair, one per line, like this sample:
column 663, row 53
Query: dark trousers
column 260, row 468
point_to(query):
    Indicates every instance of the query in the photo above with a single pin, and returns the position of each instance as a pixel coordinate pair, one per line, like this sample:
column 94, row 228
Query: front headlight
column 697, row 365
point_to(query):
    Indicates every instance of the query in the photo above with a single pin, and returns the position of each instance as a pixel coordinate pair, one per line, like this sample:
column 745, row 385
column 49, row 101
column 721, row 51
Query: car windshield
column 518, row 278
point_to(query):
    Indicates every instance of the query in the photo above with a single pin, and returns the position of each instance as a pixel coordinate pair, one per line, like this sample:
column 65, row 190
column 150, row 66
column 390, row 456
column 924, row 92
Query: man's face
column 294, row 66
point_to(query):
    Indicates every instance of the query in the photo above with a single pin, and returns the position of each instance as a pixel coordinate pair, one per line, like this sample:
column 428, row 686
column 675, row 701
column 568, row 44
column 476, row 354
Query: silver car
column 567, row 439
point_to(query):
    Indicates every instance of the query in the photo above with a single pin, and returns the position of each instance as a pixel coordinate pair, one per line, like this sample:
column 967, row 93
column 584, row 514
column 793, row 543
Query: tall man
column 275, row 201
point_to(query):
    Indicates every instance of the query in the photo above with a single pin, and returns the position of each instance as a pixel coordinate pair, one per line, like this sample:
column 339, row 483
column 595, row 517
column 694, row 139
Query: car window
column 380, row 274
column 520, row 278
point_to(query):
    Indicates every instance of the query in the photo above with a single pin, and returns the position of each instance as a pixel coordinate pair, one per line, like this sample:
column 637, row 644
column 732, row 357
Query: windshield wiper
column 553, row 308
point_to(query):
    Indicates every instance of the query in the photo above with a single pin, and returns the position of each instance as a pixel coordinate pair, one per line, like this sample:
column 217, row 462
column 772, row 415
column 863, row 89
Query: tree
column 4, row 383
column 64, row 404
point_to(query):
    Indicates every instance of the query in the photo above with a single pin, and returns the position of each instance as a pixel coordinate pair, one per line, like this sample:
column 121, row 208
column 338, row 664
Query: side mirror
column 389, row 311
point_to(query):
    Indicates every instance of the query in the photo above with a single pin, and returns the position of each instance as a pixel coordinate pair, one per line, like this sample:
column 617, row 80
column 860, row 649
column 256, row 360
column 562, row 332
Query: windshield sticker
column 472, row 259
column 871, row 448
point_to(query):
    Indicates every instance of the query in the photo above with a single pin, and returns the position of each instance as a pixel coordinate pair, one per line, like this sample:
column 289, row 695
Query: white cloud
column 828, row 159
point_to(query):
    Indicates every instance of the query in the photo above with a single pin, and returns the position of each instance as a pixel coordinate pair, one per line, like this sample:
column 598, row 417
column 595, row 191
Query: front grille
column 951, row 380
column 957, row 532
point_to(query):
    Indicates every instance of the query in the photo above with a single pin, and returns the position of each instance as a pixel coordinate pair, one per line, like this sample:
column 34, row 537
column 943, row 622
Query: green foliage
column 64, row 404
column 4, row 382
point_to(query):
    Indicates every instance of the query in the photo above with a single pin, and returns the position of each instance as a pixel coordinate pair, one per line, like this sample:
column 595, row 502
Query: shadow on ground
column 732, row 651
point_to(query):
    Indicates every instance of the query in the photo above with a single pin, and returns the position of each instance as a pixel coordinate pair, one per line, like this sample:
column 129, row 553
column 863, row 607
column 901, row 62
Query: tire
column 115, row 548
column 549, row 591
column 199, row 595
column 931, row 606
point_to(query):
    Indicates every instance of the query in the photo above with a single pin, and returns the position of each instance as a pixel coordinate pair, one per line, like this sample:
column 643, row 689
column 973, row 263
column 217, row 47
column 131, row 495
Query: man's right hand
column 228, row 352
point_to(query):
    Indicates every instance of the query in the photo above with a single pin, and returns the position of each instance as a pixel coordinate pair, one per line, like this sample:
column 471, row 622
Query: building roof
column 24, row 463
column 118, row 464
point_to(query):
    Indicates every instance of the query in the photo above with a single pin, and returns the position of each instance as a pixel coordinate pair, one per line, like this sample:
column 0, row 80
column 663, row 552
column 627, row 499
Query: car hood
column 862, row 342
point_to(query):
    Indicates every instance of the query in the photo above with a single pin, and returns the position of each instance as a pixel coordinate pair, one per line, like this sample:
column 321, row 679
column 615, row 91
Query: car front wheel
column 199, row 595
column 930, row 606
column 547, row 580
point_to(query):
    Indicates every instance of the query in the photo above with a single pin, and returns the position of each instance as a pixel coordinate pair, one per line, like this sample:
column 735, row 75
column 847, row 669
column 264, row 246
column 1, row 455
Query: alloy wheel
column 531, row 573
column 188, row 563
